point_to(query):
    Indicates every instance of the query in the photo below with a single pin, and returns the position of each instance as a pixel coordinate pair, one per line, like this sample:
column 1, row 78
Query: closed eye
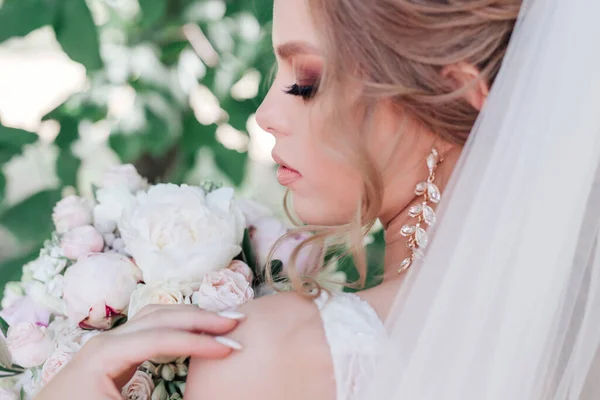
column 307, row 92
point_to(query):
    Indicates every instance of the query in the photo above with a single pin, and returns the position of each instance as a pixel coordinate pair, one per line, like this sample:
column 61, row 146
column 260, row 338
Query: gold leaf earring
column 418, row 239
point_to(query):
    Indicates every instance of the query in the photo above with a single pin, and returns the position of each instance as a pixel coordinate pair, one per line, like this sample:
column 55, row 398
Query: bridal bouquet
column 133, row 245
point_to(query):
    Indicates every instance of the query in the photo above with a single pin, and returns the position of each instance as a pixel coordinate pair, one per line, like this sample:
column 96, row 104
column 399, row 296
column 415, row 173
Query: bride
column 371, row 109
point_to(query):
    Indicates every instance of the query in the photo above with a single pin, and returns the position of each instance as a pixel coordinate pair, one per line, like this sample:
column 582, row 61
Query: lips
column 285, row 174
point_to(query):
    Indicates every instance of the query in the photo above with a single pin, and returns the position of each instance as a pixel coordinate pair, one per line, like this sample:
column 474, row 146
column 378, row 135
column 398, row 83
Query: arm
column 285, row 356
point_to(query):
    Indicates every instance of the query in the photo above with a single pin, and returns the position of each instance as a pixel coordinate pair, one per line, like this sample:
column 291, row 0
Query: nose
column 272, row 115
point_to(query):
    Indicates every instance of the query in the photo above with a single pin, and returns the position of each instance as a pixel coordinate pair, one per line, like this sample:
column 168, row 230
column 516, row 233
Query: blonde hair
column 395, row 50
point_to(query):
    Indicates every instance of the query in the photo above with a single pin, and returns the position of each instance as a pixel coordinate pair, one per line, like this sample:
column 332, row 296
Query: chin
column 313, row 212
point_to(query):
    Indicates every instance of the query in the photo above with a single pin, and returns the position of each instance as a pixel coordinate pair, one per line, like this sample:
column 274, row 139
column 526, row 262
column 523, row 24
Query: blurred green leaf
column 129, row 147
column 156, row 136
column 31, row 220
column 2, row 186
column 69, row 132
column 231, row 162
column 77, row 34
column 67, row 166
column 375, row 261
column 20, row 17
column 152, row 11
column 11, row 138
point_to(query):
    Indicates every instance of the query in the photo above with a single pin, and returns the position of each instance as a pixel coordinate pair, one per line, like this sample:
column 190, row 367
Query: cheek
column 329, row 193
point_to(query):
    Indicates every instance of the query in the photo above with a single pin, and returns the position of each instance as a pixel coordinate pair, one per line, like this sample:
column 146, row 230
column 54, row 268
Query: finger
column 128, row 350
column 190, row 319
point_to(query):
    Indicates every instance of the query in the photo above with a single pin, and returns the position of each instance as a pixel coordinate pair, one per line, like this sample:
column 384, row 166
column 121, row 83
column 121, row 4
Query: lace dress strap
column 355, row 335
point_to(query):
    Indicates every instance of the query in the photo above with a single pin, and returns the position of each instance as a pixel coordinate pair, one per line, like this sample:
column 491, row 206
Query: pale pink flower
column 25, row 309
column 29, row 345
column 98, row 288
column 154, row 294
column 7, row 394
column 81, row 241
column 253, row 211
column 223, row 290
column 266, row 231
column 242, row 268
column 140, row 387
column 54, row 364
column 71, row 212
column 124, row 176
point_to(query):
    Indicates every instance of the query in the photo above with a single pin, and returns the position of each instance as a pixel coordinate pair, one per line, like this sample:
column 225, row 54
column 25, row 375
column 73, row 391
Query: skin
column 285, row 352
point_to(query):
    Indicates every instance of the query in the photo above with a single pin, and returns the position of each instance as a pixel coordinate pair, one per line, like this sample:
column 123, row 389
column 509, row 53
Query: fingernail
column 232, row 344
column 234, row 315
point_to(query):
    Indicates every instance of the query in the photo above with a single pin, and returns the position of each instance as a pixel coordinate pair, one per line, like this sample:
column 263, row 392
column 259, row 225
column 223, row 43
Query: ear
column 463, row 74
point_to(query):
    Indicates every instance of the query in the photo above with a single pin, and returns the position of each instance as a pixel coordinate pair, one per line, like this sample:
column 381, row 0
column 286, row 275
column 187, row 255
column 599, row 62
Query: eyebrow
column 290, row 49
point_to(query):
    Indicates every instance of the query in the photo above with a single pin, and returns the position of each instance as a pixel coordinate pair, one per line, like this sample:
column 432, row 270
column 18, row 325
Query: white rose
column 124, row 176
column 253, row 211
column 111, row 203
column 13, row 291
column 154, row 294
column 177, row 234
column 266, row 231
column 140, row 387
column 81, row 241
column 71, row 212
column 54, row 364
column 43, row 269
column 98, row 288
column 28, row 344
column 223, row 290
column 67, row 336
column 242, row 268
column 7, row 394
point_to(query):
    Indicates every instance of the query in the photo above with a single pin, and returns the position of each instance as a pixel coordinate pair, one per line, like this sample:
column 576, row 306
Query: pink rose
column 28, row 344
column 140, row 387
column 98, row 288
column 81, row 241
column 71, row 212
column 223, row 290
column 266, row 231
column 54, row 364
column 25, row 309
column 124, row 176
column 242, row 268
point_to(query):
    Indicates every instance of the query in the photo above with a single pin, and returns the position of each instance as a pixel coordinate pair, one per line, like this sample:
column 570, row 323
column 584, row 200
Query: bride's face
column 326, row 190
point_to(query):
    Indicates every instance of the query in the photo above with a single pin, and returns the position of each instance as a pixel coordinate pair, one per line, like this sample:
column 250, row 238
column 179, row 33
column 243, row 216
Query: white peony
column 98, row 288
column 28, row 344
column 72, row 212
column 179, row 234
column 140, row 387
column 124, row 176
column 154, row 294
column 81, row 241
column 67, row 336
column 111, row 204
column 54, row 364
column 223, row 290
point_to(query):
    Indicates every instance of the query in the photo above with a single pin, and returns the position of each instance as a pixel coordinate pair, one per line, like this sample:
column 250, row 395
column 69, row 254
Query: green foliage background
column 164, row 146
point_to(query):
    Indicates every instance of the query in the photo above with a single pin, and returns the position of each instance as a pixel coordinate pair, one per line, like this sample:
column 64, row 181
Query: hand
column 109, row 360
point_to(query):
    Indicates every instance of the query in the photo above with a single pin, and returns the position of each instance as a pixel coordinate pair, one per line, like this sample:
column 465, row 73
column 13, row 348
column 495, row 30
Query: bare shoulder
column 284, row 349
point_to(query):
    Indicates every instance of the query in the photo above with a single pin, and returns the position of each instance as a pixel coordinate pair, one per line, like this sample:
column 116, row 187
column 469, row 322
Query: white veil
column 507, row 304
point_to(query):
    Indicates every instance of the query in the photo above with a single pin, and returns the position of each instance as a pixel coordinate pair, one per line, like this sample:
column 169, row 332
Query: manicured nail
column 234, row 315
column 232, row 344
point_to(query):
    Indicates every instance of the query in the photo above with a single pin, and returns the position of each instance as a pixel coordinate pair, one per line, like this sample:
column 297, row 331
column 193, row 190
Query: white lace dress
column 356, row 337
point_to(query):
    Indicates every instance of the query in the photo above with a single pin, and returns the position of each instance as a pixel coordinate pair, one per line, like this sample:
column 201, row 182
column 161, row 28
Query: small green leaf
column 4, row 329
column 20, row 17
column 152, row 11
column 69, row 132
column 77, row 33
column 31, row 220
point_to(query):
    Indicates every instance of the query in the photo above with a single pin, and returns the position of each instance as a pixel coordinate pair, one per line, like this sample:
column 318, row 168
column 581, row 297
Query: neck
column 396, row 248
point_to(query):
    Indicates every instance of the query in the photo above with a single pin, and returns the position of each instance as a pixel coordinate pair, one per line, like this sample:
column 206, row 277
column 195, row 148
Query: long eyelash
column 306, row 92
